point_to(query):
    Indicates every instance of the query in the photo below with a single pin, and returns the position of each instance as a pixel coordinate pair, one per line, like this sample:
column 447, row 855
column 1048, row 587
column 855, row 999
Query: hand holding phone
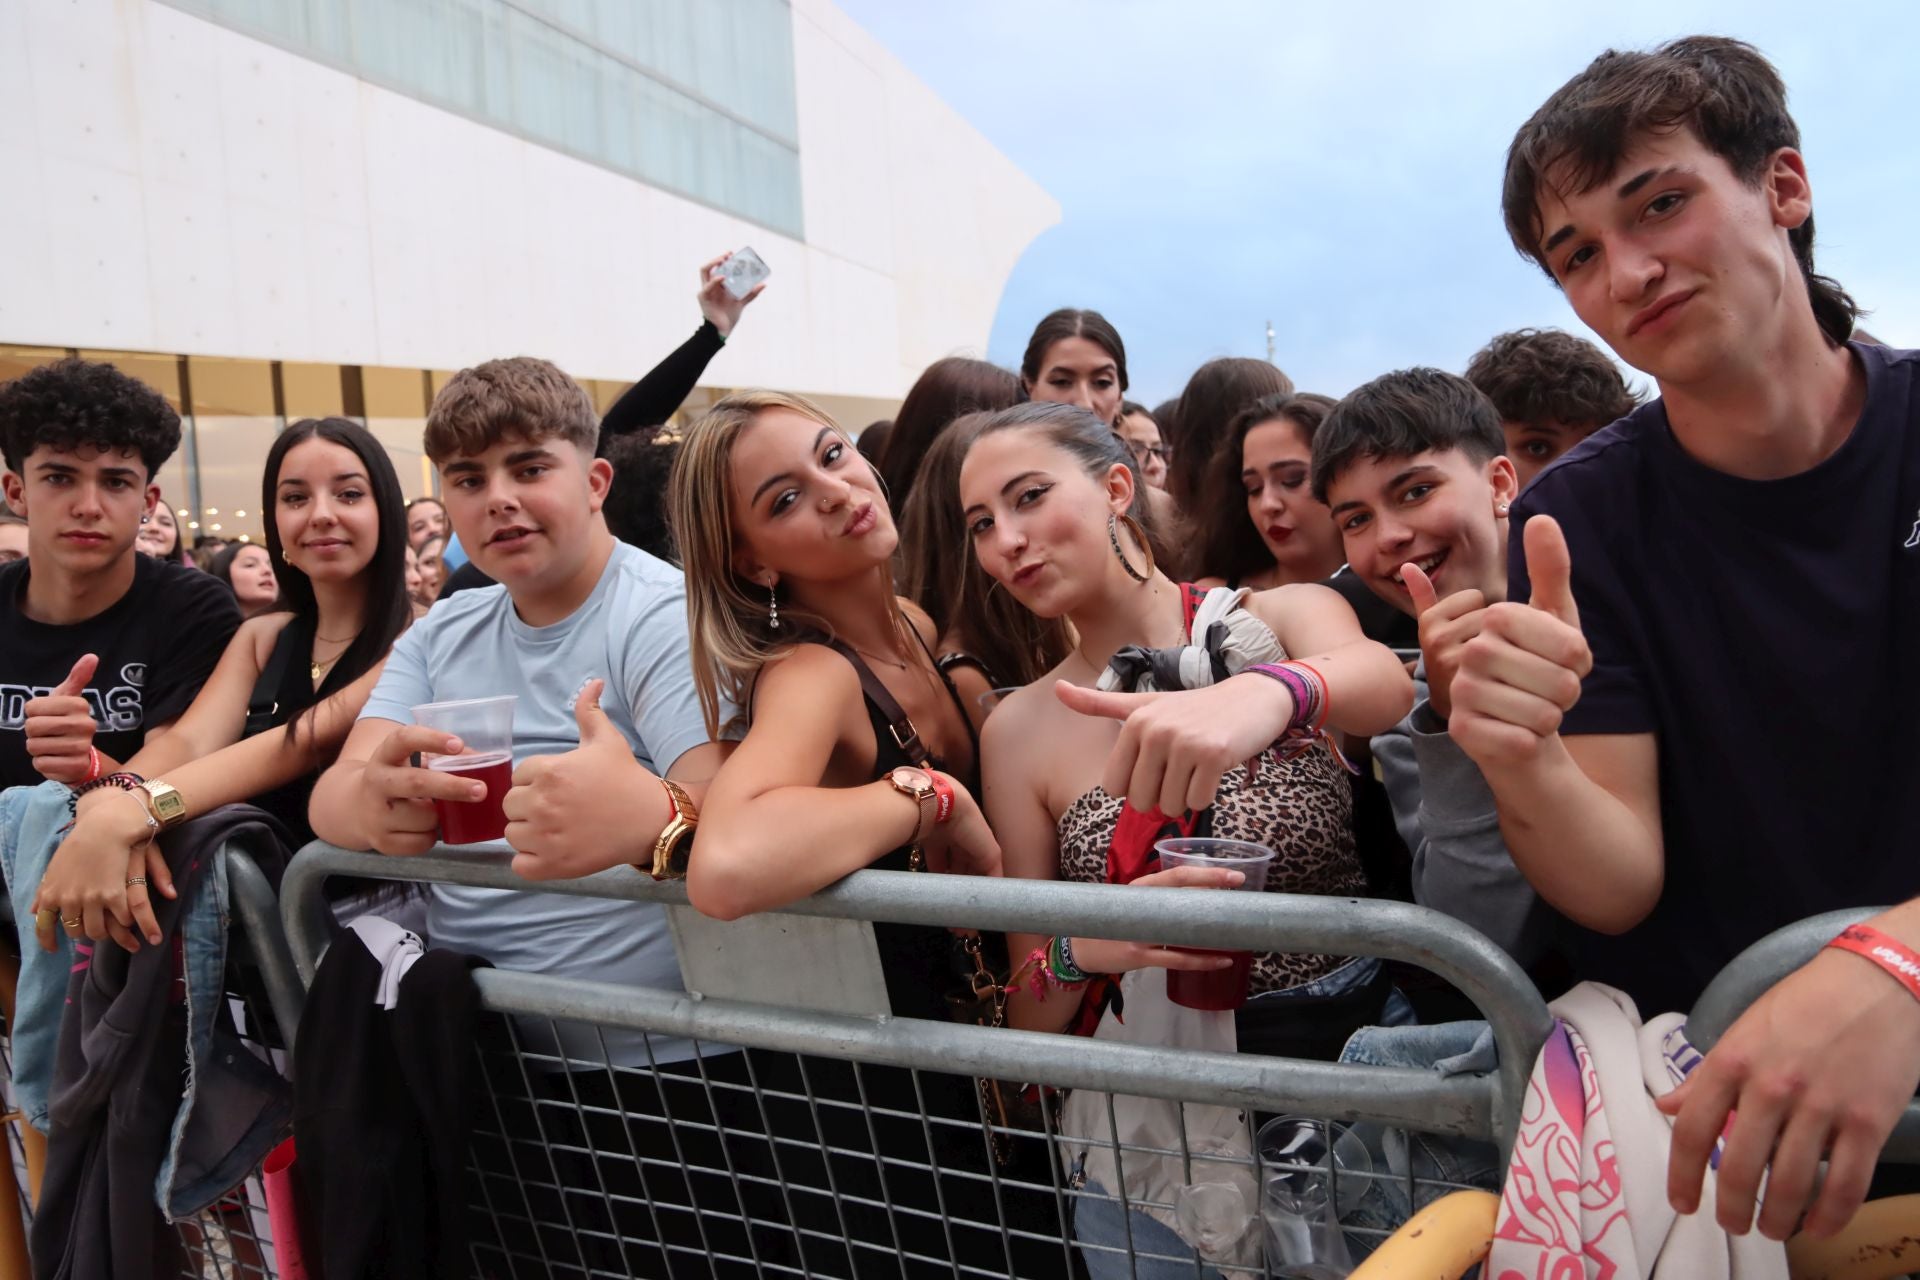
column 743, row 270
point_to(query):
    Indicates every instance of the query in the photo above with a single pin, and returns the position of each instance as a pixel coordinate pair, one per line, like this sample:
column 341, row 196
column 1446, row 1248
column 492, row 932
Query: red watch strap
column 942, row 798
column 1900, row 961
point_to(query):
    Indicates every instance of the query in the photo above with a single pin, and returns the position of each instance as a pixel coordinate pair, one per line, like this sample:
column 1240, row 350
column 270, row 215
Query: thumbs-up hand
column 594, row 807
column 60, row 727
column 1174, row 746
column 1522, row 673
column 1445, row 627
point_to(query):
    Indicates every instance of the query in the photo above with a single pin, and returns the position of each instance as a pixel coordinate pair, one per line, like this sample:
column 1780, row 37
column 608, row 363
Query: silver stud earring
column 773, row 610
column 1503, row 508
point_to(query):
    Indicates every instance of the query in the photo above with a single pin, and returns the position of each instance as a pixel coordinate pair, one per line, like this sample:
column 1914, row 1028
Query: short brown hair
column 1544, row 375
column 1723, row 91
column 521, row 397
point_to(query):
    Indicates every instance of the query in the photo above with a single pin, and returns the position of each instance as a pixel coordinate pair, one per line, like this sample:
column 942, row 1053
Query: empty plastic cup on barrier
column 485, row 728
column 1306, row 1183
column 1215, row 989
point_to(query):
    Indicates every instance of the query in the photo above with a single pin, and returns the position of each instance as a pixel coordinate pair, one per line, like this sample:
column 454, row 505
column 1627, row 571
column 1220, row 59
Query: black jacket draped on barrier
column 381, row 1130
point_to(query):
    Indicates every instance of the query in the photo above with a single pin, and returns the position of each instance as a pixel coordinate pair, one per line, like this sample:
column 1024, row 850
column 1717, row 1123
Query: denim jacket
column 31, row 819
column 234, row 1106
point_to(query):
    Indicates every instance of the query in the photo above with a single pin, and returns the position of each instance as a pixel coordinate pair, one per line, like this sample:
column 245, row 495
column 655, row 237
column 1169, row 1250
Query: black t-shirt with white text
column 1768, row 634
column 157, row 644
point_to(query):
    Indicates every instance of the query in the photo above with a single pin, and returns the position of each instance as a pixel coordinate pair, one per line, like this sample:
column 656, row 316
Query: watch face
column 910, row 779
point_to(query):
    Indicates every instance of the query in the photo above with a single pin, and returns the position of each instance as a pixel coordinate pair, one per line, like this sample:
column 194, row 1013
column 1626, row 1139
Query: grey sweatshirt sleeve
column 1445, row 813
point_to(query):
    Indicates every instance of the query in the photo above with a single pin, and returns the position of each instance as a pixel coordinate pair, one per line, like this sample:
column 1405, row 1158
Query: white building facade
column 279, row 208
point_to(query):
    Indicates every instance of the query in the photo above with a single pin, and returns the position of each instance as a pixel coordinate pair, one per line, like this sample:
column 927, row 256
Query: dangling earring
column 773, row 609
column 1139, row 535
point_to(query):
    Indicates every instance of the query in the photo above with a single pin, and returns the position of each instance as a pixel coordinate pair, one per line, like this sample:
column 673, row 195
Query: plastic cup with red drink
column 485, row 728
column 1215, row 989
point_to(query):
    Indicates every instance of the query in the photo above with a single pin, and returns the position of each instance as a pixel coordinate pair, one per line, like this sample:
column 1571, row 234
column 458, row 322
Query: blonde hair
column 727, row 627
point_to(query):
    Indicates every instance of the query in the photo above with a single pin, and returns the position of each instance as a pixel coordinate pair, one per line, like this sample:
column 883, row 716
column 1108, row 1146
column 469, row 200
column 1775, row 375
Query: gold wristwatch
column 917, row 786
column 169, row 808
column 670, row 850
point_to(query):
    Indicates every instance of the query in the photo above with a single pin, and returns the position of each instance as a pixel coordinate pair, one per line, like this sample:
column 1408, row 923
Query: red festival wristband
column 1902, row 963
column 943, row 799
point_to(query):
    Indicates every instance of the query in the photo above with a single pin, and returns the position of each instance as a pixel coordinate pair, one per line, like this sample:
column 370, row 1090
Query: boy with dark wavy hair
column 101, row 648
column 1701, row 727
column 1551, row 389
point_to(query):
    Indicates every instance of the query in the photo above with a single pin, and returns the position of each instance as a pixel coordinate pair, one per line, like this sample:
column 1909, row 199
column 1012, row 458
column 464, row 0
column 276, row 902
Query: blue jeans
column 1449, row 1048
column 1099, row 1221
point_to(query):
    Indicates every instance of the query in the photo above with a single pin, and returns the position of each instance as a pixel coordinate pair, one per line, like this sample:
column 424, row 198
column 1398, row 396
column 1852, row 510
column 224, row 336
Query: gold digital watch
column 169, row 807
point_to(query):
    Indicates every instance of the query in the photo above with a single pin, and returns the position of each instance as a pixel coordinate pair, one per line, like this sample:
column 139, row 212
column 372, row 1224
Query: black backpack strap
column 905, row 736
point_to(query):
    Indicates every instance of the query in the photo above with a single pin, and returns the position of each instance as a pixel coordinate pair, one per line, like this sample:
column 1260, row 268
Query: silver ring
column 141, row 880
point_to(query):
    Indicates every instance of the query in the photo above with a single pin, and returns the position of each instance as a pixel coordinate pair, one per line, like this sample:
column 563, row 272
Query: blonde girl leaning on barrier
column 1057, row 519
column 857, row 754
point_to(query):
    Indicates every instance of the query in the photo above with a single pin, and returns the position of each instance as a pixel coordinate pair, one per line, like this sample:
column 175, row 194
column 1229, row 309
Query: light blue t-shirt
column 631, row 632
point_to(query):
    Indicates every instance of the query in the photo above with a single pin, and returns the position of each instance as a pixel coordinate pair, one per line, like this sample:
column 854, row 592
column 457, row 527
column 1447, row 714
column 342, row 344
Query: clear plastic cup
column 1311, row 1172
column 1215, row 989
column 485, row 728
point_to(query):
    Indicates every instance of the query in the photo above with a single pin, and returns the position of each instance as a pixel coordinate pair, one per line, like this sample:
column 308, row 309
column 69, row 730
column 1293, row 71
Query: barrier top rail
column 1257, row 922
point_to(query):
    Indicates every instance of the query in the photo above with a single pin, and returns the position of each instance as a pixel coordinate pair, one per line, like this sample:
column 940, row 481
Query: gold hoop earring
column 1114, row 522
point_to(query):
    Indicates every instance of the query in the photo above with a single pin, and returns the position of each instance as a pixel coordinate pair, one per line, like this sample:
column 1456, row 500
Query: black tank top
column 283, row 691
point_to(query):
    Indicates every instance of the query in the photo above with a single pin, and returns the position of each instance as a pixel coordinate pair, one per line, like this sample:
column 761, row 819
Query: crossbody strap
column 905, row 736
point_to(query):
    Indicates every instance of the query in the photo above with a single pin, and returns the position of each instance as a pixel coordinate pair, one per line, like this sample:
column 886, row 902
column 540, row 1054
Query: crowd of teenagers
column 1623, row 682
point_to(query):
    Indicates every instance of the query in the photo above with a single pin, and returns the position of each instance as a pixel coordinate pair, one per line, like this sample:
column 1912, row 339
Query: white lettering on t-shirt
column 116, row 710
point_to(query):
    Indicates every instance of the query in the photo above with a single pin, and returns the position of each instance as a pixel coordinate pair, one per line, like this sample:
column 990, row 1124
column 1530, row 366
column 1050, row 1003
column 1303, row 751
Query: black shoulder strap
column 905, row 736
column 264, row 705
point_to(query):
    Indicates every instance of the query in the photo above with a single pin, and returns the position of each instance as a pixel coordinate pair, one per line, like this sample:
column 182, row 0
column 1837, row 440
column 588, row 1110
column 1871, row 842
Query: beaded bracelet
column 1046, row 974
column 1060, row 959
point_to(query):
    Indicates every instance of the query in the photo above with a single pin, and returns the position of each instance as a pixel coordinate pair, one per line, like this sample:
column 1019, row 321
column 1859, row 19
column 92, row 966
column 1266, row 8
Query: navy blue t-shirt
column 1766, row 633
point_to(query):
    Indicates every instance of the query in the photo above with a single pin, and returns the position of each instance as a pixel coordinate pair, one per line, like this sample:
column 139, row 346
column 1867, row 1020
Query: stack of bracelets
column 1053, row 966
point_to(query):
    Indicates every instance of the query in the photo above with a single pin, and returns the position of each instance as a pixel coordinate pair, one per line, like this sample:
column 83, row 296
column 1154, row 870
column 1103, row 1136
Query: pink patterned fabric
column 1585, row 1194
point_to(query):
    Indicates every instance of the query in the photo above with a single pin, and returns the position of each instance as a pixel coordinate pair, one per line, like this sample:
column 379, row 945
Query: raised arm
column 652, row 400
column 771, row 832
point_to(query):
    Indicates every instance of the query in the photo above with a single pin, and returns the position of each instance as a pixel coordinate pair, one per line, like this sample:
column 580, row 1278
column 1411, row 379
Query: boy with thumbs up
column 101, row 648
column 1699, row 728
column 590, row 634
column 1413, row 467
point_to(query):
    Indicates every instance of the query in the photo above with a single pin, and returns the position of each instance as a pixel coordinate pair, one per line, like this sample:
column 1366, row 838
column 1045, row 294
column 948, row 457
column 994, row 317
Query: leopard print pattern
column 1301, row 808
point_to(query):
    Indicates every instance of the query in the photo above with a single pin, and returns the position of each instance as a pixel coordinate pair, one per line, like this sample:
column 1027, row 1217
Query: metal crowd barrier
column 1754, row 971
column 815, row 1151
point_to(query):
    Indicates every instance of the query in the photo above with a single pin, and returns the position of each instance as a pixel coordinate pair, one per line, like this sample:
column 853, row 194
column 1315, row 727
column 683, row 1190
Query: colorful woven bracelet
column 1309, row 692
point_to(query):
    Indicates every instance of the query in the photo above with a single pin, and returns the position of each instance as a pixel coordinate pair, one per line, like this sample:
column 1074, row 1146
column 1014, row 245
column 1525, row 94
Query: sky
column 1335, row 168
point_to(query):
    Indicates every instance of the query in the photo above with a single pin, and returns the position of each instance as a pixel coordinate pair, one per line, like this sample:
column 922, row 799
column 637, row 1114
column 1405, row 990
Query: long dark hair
column 1229, row 545
column 1217, row 391
column 949, row 389
column 1072, row 322
column 387, row 611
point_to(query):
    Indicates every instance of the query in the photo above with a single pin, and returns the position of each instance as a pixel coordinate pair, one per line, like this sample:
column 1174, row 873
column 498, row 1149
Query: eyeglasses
column 1141, row 452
